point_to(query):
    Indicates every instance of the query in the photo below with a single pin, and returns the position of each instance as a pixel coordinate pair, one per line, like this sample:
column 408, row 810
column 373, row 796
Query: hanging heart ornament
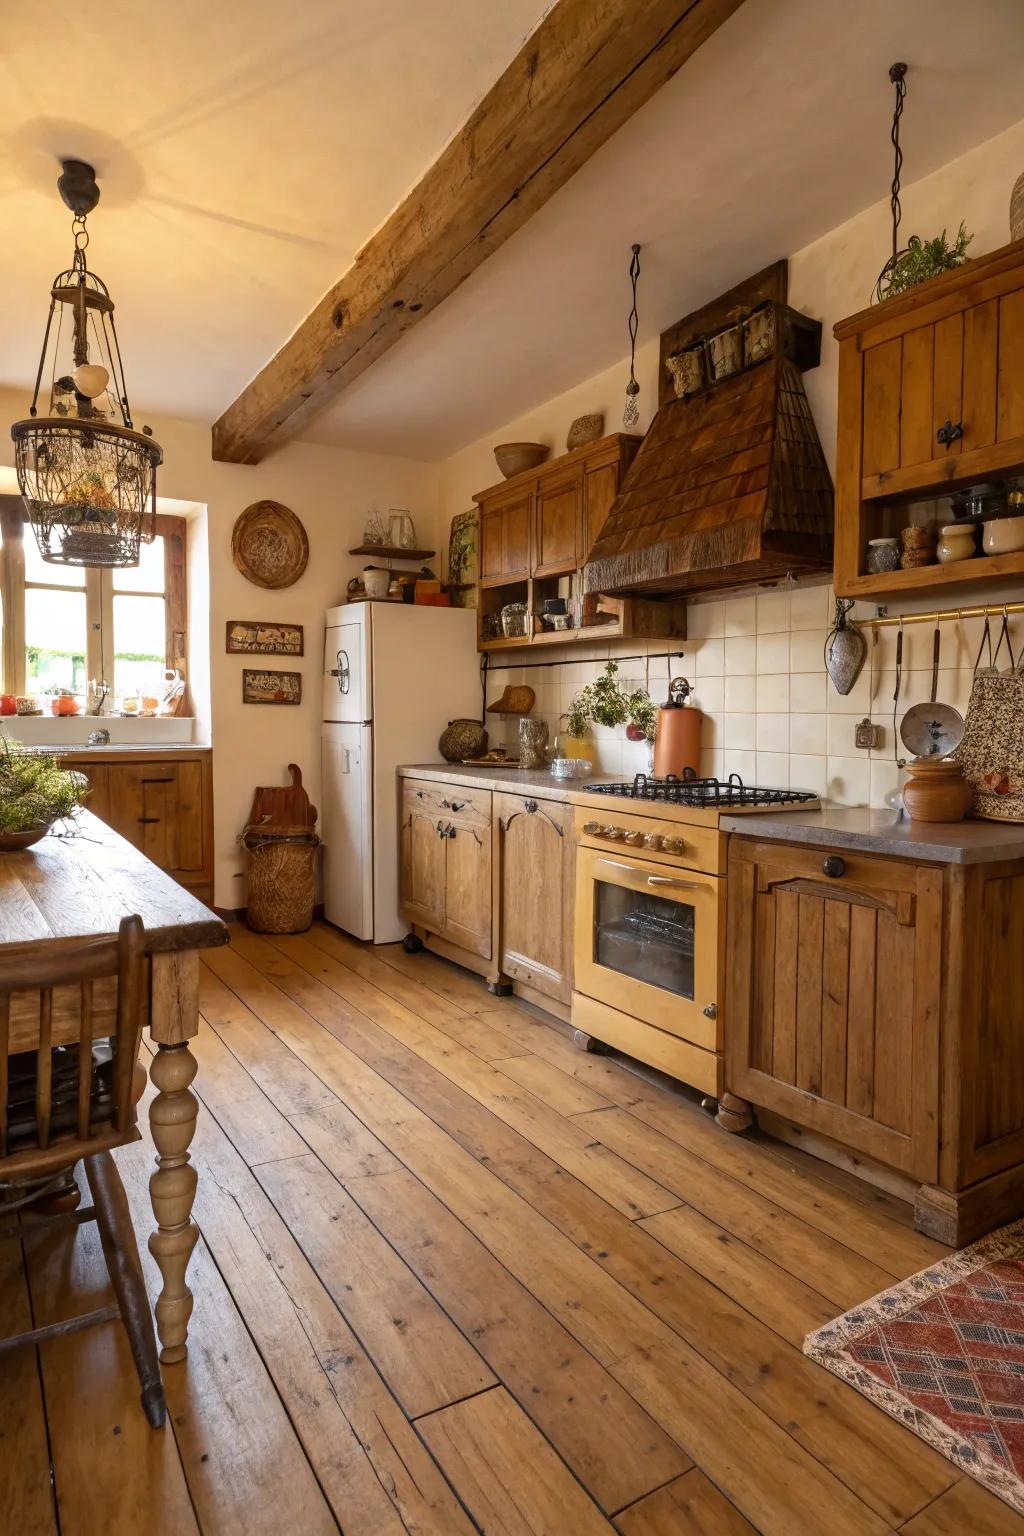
column 845, row 649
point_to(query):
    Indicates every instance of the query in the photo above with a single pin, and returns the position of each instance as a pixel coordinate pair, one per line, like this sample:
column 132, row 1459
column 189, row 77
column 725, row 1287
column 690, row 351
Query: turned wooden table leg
column 734, row 1114
column 172, row 1188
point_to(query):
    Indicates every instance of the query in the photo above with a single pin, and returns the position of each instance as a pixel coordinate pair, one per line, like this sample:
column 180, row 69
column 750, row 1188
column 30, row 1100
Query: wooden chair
column 71, row 1019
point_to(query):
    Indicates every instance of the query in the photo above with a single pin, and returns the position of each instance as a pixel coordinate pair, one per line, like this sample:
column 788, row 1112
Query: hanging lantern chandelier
column 87, row 477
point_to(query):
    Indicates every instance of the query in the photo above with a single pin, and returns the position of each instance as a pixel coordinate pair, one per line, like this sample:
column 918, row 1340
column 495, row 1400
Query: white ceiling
column 246, row 151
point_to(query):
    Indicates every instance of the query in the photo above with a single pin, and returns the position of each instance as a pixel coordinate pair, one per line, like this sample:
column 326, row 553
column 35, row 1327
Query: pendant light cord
column 898, row 77
column 631, row 414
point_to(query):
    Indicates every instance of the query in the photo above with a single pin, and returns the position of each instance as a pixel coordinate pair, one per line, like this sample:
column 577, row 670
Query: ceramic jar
column 883, row 555
column 956, row 543
column 918, row 546
column 461, row 739
column 936, row 790
column 1003, row 536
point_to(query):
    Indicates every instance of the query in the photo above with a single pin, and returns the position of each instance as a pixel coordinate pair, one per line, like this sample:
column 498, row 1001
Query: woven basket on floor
column 282, row 883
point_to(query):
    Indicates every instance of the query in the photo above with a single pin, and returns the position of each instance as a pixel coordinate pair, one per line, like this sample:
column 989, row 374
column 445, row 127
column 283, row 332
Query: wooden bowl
column 513, row 458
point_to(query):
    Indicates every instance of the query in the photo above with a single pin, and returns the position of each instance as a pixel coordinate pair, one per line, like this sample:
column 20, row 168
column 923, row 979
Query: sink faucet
column 100, row 738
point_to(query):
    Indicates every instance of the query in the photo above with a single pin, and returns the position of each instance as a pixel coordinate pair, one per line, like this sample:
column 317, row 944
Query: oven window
column 643, row 936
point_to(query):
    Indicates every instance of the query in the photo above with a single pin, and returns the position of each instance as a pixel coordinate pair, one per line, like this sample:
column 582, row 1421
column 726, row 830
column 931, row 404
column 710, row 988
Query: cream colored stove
column 650, row 935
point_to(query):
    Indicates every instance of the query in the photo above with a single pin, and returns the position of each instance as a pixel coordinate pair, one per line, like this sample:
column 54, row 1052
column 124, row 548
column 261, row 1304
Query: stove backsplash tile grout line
column 756, row 664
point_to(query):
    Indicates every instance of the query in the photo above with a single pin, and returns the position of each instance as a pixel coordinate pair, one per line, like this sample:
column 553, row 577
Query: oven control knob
column 591, row 828
column 674, row 845
column 614, row 834
column 635, row 839
column 653, row 840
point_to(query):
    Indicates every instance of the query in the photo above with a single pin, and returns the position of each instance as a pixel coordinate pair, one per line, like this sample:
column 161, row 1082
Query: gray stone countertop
column 515, row 780
column 882, row 831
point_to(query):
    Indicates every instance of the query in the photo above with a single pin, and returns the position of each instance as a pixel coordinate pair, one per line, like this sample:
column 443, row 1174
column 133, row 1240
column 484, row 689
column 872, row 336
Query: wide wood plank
column 372, row 1468
column 786, row 1303
column 255, row 1127
column 811, row 917
column 588, row 66
column 553, row 1086
column 652, row 1285
column 27, row 1505
column 506, row 1474
column 966, row 1509
column 691, row 1504
column 835, row 991
column 423, row 1358
column 316, row 980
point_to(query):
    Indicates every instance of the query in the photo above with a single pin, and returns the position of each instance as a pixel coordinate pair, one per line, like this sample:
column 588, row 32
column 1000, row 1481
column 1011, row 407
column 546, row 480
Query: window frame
column 99, row 600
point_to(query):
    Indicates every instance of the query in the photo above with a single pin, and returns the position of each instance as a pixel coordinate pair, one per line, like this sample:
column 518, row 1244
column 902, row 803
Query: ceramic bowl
column 513, row 458
column 571, row 767
column 1003, row 535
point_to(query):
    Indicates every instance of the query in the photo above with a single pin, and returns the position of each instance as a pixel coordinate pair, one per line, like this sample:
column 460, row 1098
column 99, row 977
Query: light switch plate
column 867, row 736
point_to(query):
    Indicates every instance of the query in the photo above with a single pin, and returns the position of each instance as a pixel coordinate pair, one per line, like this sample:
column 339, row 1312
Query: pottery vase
column 461, row 739
column 936, row 790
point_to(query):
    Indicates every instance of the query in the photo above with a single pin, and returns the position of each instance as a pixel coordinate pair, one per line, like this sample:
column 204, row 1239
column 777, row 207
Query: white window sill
column 49, row 730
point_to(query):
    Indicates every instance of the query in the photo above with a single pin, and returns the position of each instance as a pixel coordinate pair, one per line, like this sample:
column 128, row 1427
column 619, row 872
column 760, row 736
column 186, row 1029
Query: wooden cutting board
column 283, row 806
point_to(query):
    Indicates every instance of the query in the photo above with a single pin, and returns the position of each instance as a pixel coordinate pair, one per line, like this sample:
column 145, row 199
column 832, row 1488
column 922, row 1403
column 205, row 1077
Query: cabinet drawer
column 451, row 801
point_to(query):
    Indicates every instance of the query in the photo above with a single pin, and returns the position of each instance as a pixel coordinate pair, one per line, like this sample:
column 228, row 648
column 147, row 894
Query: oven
column 649, row 930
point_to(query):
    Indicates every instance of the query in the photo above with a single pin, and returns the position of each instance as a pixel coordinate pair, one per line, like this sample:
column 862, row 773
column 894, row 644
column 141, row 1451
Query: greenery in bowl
column 34, row 792
column 923, row 259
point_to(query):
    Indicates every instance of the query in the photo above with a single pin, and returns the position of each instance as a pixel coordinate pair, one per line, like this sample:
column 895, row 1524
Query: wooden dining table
column 79, row 881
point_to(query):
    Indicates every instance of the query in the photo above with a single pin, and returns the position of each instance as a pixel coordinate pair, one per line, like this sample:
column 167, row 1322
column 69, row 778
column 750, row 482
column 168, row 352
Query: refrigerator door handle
column 343, row 672
column 347, row 765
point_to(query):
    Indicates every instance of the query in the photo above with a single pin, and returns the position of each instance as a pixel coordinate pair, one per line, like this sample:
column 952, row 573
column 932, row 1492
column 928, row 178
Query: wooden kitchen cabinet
column 558, row 517
column 505, row 544
column 874, row 1002
column 445, row 864
column 930, row 399
column 161, row 803
column 536, row 855
column 833, row 1002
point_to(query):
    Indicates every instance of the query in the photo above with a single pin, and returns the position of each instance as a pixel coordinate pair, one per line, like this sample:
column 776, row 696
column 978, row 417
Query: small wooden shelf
column 956, row 573
column 393, row 552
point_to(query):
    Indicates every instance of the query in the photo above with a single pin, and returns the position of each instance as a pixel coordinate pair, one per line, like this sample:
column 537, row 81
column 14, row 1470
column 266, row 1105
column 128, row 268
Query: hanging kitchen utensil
column 677, row 733
column 845, row 649
column 896, row 692
column 932, row 729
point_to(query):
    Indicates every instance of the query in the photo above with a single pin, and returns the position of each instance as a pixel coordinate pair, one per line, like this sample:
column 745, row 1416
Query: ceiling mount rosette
column 88, row 478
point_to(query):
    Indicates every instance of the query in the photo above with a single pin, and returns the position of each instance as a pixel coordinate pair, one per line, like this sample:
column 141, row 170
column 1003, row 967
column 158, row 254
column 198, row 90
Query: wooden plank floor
column 456, row 1276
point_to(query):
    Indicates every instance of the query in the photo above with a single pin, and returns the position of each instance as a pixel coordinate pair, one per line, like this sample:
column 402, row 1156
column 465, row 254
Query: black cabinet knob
column 949, row 432
column 833, row 866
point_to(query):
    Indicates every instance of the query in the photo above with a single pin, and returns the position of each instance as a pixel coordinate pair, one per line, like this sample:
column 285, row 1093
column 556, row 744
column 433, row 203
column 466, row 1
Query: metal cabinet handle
column 459, row 805
column 833, row 866
column 452, row 805
column 531, row 806
column 147, row 821
column 683, row 885
column 949, row 432
column 169, row 780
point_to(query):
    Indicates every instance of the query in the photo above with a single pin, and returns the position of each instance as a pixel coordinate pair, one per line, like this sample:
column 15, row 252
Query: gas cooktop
column 703, row 794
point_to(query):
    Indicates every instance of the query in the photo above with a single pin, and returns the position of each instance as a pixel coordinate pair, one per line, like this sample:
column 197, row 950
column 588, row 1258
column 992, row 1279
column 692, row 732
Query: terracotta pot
column 8, row 704
column 936, row 790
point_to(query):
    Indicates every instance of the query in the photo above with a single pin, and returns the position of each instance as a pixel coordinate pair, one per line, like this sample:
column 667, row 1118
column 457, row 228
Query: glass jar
column 883, row 555
column 956, row 542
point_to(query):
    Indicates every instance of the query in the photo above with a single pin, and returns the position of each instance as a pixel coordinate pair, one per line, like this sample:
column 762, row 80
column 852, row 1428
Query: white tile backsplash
column 770, row 714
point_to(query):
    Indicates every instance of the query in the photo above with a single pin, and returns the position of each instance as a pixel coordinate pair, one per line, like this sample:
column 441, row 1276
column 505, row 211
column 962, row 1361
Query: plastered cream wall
column 755, row 658
column 330, row 490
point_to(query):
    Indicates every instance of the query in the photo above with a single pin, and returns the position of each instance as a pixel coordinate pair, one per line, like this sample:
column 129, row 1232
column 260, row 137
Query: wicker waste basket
column 282, row 878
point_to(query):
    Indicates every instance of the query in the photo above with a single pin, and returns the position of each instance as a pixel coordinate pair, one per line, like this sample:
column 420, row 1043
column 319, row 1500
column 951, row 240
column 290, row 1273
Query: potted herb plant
column 921, row 260
column 34, row 793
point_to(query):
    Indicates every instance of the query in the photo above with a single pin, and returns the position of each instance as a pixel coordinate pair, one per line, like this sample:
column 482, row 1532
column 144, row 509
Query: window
column 64, row 626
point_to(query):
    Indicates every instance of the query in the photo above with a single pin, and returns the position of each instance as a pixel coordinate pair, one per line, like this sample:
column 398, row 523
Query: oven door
column 647, row 943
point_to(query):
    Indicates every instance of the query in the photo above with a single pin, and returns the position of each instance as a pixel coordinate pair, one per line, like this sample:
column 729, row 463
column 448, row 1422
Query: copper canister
column 677, row 733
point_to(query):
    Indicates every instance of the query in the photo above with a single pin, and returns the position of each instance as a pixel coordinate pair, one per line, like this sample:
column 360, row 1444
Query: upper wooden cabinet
column 931, row 398
column 537, row 531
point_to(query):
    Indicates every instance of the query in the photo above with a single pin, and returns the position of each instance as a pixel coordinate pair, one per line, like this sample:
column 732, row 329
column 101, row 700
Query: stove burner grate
column 702, row 794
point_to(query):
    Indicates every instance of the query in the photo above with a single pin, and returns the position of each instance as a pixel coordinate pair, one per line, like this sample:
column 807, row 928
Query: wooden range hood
column 731, row 484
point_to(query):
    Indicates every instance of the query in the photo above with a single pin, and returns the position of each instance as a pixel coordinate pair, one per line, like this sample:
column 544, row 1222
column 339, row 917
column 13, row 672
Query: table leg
column 172, row 1188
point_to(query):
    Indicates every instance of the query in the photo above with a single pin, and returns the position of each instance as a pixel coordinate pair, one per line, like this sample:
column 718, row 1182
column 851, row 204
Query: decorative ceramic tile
column 740, row 656
column 807, row 650
column 772, row 734
column 773, row 693
column 810, row 608
column 807, row 733
column 773, row 613
column 808, row 772
column 704, row 620
column 741, row 693
column 740, row 615
column 773, row 653
column 773, row 769
column 849, row 780
column 740, row 731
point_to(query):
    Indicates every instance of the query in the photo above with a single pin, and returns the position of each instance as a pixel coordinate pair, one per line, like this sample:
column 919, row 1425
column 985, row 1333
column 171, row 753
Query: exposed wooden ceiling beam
column 582, row 74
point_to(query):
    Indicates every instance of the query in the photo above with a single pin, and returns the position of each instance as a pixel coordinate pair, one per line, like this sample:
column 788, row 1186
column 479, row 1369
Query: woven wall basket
column 269, row 545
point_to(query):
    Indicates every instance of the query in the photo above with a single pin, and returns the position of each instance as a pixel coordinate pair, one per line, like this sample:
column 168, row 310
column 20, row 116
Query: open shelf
column 983, row 568
column 393, row 552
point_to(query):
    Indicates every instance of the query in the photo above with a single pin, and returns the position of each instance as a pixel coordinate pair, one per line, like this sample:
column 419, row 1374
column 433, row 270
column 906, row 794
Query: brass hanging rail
column 943, row 615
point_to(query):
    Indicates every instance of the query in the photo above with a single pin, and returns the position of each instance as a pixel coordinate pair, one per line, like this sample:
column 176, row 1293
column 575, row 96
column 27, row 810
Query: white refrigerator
column 394, row 675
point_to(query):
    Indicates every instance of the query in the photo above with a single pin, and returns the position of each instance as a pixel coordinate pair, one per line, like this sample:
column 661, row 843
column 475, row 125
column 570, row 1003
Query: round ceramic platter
column 932, row 730
column 269, row 545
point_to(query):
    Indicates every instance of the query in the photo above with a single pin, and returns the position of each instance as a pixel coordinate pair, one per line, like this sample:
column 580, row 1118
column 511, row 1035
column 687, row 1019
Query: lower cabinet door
column 422, row 871
column 833, row 996
column 467, row 887
column 537, row 864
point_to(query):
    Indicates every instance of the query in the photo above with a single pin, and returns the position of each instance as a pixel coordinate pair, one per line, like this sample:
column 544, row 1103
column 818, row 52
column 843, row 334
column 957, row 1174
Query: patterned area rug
column 943, row 1352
